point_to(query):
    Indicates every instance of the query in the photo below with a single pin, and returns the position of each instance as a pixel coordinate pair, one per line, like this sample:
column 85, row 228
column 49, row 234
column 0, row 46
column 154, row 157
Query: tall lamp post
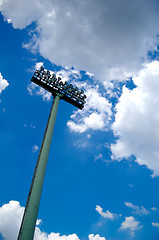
column 59, row 91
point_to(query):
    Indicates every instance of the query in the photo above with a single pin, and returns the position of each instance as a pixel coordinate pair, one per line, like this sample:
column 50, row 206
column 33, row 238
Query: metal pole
column 32, row 206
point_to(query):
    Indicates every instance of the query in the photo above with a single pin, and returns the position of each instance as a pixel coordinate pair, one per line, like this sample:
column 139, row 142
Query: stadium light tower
column 59, row 91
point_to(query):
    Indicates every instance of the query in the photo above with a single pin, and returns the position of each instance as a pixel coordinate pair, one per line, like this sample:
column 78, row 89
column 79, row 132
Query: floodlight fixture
column 70, row 94
column 55, row 86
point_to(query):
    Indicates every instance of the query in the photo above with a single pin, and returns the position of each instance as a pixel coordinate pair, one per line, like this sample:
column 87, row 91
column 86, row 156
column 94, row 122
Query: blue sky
column 102, row 175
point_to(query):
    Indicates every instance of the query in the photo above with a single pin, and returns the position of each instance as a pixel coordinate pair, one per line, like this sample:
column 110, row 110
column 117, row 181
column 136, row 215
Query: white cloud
column 137, row 210
column 95, row 115
column 22, row 13
column 38, row 65
column 90, row 74
column 107, row 214
column 96, row 237
column 33, row 89
column 130, row 224
column 104, row 38
column 53, row 236
column 108, row 40
column 66, row 74
column 88, row 136
column 97, row 157
column 81, row 143
column 137, row 120
column 38, row 221
column 9, row 20
column 94, row 121
column 35, row 148
column 76, row 128
column 10, row 220
column 155, row 225
column 3, row 83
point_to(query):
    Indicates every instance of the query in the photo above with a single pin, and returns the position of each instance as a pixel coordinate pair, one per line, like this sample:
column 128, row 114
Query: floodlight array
column 55, row 86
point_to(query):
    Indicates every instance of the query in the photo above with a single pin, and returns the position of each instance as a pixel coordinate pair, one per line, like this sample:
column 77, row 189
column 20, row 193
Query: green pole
column 32, row 206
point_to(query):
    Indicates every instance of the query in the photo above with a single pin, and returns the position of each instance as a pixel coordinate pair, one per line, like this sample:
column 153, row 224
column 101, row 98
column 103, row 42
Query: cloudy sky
column 102, row 176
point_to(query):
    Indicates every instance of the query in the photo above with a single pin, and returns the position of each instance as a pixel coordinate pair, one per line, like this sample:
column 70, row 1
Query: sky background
column 102, row 175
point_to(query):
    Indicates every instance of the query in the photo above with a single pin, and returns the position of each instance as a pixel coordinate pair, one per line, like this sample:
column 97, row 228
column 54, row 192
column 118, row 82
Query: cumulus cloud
column 107, row 38
column 53, row 236
column 3, row 83
column 22, row 14
column 136, row 209
column 130, row 224
column 67, row 74
column 95, row 115
column 96, row 237
column 10, row 220
column 137, row 120
column 94, row 121
column 107, row 214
